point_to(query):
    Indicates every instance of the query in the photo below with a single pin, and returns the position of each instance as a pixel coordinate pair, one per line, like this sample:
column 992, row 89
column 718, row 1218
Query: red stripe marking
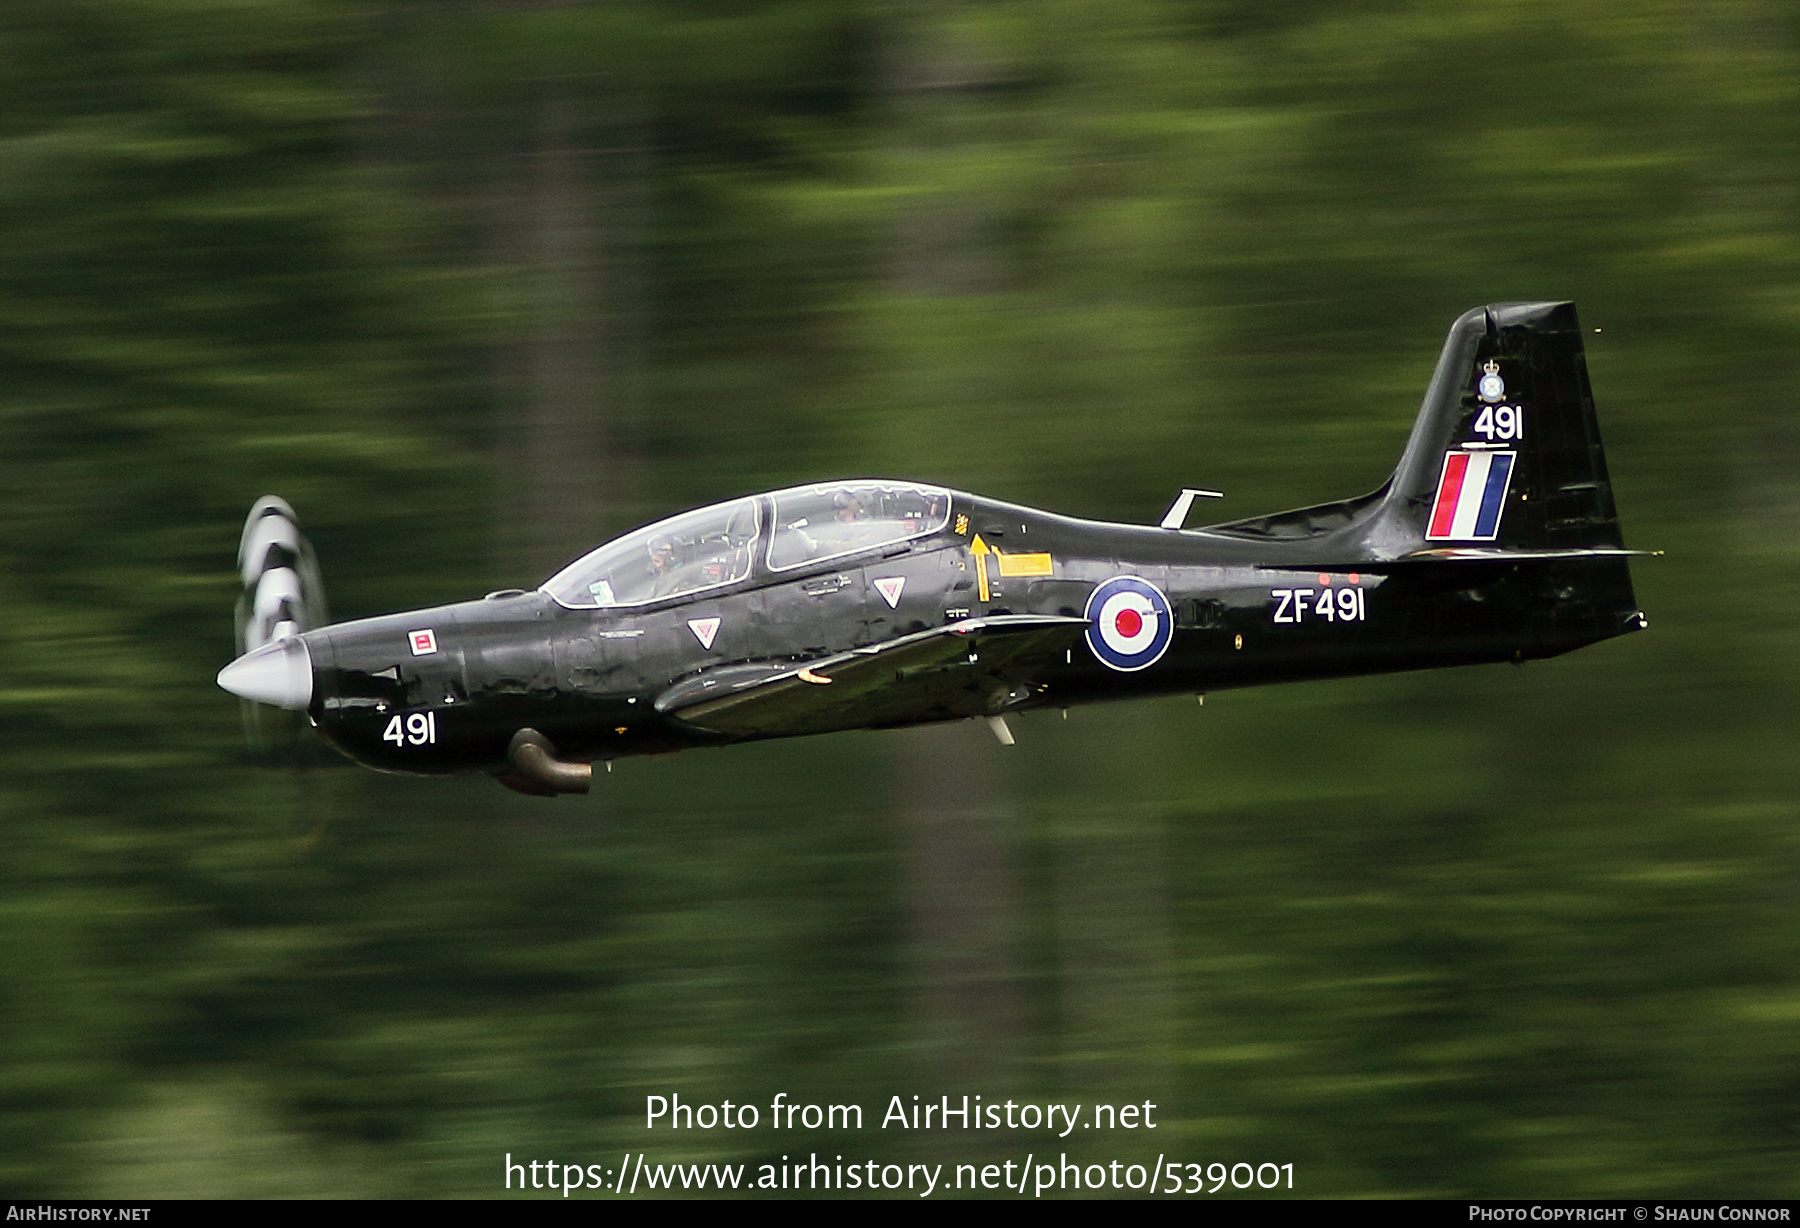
column 1443, row 513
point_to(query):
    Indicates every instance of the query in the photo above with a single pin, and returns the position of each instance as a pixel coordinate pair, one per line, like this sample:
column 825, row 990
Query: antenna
column 1184, row 502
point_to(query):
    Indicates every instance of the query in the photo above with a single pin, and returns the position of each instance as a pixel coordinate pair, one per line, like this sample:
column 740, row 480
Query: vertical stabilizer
column 1506, row 452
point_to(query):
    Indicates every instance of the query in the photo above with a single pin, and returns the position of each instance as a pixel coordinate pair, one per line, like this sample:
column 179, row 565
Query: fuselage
column 445, row 689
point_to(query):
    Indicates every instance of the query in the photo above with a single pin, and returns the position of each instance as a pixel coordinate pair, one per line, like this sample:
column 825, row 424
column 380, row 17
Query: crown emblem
column 1491, row 387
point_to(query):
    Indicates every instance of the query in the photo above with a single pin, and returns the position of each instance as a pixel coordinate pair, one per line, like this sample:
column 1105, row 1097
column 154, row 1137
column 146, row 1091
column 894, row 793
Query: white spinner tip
column 278, row 673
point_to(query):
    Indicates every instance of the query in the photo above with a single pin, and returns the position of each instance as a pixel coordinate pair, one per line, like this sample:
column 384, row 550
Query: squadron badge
column 1491, row 387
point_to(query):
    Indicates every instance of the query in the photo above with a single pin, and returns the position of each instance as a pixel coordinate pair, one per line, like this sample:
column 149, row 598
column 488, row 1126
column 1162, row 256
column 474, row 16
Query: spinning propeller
column 282, row 597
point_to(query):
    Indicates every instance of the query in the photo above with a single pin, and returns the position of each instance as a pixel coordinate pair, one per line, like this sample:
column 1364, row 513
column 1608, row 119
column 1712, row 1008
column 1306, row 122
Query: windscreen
column 684, row 554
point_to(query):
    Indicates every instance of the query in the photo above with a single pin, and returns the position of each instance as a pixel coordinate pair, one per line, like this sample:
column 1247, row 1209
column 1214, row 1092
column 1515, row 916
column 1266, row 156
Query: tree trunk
column 569, row 221
column 961, row 881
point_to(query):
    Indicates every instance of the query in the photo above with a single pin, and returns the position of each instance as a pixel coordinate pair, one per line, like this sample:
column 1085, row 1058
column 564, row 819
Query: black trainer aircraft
column 873, row 604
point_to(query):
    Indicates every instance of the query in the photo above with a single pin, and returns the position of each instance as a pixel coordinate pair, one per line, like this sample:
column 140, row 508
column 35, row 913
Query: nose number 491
column 415, row 729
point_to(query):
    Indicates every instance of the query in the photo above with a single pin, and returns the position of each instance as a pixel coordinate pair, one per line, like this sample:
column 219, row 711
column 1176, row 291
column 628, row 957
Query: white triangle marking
column 889, row 587
column 704, row 630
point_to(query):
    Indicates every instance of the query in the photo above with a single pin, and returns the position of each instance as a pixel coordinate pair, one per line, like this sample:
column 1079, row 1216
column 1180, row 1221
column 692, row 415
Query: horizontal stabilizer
column 1488, row 554
column 1457, row 554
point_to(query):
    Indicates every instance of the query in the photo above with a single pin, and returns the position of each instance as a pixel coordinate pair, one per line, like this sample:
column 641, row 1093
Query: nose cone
column 279, row 673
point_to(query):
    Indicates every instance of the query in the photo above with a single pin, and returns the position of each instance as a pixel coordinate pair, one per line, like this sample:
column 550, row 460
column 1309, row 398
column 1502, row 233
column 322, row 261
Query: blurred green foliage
column 1489, row 932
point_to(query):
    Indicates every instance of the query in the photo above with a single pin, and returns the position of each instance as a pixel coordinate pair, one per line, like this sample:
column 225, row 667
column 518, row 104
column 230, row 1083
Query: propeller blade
column 283, row 592
column 282, row 597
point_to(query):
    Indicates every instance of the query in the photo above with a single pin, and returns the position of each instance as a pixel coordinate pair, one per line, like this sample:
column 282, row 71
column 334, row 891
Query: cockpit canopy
column 715, row 546
column 839, row 518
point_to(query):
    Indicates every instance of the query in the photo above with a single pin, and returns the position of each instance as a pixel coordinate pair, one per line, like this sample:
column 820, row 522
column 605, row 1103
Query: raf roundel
column 1129, row 623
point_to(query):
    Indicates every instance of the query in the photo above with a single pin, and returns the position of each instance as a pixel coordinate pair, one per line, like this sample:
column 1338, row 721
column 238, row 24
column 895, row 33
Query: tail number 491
column 1500, row 422
column 415, row 729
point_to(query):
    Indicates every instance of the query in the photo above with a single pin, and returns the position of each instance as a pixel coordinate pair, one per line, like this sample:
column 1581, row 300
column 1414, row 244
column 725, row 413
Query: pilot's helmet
column 847, row 505
column 661, row 548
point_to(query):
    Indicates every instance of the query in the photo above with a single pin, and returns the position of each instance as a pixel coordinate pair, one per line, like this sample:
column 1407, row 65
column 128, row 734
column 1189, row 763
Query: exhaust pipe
column 537, row 772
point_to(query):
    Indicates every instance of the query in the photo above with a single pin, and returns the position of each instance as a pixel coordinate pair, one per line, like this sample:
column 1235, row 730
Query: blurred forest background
column 478, row 283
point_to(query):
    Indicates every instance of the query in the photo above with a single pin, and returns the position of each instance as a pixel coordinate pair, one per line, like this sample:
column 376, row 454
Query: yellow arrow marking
column 981, row 552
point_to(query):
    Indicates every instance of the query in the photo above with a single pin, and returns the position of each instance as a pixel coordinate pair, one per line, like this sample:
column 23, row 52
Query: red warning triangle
column 889, row 587
column 704, row 630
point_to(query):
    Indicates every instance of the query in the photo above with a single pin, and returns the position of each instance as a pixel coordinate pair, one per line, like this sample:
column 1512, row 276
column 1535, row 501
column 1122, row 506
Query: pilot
column 663, row 579
column 662, row 554
column 848, row 506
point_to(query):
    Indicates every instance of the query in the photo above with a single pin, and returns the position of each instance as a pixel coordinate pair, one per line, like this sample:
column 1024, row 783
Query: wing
column 971, row 668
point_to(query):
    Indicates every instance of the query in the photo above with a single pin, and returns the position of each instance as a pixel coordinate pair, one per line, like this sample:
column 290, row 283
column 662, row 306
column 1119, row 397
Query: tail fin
column 1504, row 458
column 1505, row 455
column 1504, row 467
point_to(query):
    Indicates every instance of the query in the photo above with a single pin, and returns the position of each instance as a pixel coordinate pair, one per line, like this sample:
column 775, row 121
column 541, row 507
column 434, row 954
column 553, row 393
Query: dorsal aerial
column 882, row 603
